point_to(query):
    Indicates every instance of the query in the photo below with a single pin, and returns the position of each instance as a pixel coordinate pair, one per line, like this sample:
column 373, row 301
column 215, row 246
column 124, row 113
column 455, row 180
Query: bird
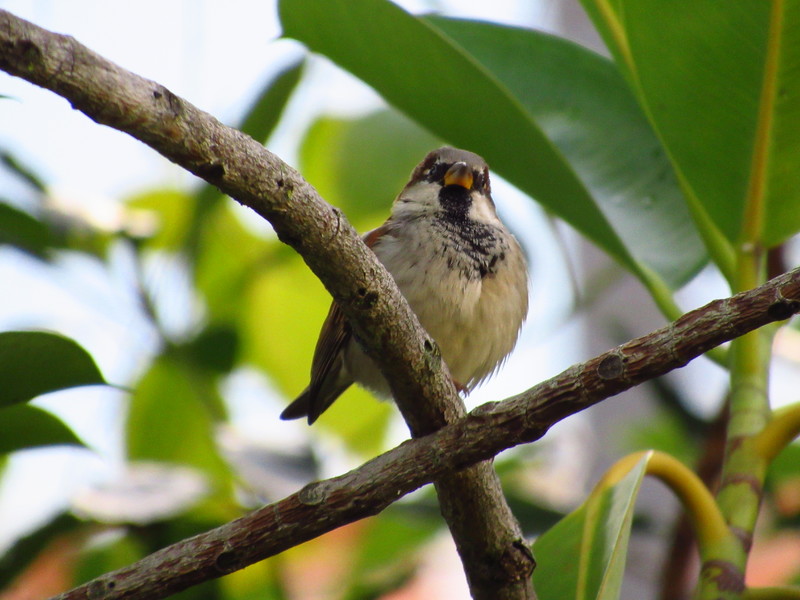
column 461, row 270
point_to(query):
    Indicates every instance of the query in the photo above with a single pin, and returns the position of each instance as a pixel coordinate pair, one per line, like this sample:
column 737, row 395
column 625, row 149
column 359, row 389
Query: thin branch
column 497, row 566
column 487, row 430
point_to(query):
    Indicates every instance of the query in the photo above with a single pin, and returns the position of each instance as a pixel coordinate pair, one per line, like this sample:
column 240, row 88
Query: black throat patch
column 476, row 249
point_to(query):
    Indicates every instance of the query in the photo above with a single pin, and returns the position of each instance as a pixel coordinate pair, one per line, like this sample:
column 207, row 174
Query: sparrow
column 461, row 271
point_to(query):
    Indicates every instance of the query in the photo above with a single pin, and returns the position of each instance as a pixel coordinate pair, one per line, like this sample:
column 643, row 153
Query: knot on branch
column 27, row 52
column 431, row 347
column 367, row 298
column 173, row 102
column 313, row 494
column 782, row 309
column 612, row 366
column 211, row 171
column 101, row 588
column 228, row 561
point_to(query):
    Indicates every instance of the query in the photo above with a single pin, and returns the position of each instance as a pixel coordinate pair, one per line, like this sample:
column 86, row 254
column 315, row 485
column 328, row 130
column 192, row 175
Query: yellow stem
column 618, row 470
column 691, row 491
column 778, row 433
column 695, row 496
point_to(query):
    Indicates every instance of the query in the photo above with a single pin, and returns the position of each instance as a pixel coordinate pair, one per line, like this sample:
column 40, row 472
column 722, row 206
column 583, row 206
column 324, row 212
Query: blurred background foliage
column 248, row 310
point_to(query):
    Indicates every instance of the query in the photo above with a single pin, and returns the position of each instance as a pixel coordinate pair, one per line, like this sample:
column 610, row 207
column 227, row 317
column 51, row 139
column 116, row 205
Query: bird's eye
column 436, row 173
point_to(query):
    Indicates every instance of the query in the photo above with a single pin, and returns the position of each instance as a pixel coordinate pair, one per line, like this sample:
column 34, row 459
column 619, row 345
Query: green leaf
column 280, row 306
column 35, row 362
column 266, row 580
column 360, row 165
column 23, row 427
column 389, row 551
column 491, row 96
column 399, row 55
column 170, row 418
column 22, row 171
column 785, row 469
column 229, row 258
column 391, row 538
column 663, row 431
column 721, row 85
column 262, row 118
column 24, row 231
column 214, row 349
column 535, row 515
column 173, row 209
column 583, row 556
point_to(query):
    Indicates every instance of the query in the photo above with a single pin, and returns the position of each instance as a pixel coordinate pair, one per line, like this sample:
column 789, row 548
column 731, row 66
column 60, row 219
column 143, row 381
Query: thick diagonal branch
column 497, row 565
column 323, row 506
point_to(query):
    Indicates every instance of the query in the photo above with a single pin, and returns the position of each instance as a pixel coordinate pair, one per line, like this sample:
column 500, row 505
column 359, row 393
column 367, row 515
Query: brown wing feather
column 373, row 236
column 334, row 335
column 327, row 382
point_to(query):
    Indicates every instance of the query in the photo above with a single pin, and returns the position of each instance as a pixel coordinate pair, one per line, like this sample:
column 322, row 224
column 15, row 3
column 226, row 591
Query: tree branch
column 487, row 430
column 497, row 565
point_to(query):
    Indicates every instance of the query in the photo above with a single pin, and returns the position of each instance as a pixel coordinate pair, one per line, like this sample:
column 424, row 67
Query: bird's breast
column 466, row 284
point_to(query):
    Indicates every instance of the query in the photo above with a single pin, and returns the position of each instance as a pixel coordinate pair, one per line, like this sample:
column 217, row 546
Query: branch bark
column 496, row 559
column 487, row 430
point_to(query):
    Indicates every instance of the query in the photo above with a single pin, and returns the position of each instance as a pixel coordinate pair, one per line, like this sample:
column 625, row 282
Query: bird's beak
column 459, row 174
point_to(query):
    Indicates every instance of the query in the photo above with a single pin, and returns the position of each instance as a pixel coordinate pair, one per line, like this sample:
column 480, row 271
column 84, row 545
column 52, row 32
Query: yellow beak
column 459, row 174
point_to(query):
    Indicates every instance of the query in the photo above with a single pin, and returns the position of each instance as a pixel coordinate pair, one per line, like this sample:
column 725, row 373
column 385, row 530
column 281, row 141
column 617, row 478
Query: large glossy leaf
column 36, row 362
column 583, row 556
column 23, row 427
column 549, row 116
column 426, row 75
column 721, row 84
column 583, row 105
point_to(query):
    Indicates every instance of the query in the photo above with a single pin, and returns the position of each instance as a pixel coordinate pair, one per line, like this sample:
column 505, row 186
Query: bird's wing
column 335, row 333
column 327, row 383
